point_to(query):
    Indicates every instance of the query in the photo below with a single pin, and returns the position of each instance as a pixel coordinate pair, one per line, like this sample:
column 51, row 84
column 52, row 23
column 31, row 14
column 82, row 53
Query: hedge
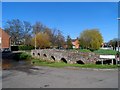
column 25, row 47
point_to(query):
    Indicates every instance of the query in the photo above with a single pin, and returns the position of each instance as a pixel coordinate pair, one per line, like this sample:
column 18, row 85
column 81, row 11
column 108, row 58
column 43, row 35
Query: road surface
column 48, row 77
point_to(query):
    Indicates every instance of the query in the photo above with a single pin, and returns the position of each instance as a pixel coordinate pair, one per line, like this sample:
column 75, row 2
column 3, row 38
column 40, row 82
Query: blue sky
column 70, row 18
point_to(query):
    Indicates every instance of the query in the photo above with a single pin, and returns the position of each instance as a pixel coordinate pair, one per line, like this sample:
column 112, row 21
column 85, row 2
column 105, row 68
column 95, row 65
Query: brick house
column 4, row 40
column 75, row 43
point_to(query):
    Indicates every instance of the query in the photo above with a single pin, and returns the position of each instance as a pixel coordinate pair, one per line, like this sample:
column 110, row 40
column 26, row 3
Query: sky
column 71, row 18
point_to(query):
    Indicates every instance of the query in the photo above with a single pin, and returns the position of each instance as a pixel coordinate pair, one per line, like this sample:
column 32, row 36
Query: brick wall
column 5, row 39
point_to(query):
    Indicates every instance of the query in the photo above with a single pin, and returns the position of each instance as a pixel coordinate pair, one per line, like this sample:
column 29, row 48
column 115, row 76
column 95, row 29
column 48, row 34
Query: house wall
column 75, row 44
column 4, row 39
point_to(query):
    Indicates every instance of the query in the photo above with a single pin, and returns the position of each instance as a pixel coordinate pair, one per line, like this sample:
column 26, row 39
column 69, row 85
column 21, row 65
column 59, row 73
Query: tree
column 55, row 36
column 19, row 31
column 38, row 27
column 42, row 40
column 27, row 33
column 91, row 39
column 50, row 34
column 69, row 42
column 114, row 43
column 15, row 29
column 60, row 41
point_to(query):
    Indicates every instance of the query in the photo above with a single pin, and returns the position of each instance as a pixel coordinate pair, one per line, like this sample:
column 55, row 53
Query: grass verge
column 38, row 62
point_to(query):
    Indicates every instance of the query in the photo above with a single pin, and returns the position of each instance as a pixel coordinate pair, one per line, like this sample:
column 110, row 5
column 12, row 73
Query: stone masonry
column 67, row 56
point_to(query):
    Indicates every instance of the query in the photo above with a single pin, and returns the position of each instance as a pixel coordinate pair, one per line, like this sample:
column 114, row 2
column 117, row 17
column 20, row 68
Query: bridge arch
column 44, row 55
column 38, row 54
column 53, row 58
column 80, row 62
column 98, row 62
column 63, row 60
column 33, row 54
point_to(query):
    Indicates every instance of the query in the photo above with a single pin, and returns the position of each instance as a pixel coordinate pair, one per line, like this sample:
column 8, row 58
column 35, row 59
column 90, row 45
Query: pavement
column 49, row 77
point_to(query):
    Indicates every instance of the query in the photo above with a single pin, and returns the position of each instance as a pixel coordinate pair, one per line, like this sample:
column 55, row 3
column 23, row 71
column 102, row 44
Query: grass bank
column 38, row 62
column 99, row 51
column 105, row 52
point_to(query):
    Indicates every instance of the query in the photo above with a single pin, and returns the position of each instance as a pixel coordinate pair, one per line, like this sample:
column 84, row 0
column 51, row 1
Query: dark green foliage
column 14, row 48
column 69, row 42
column 16, row 56
column 22, row 56
column 25, row 47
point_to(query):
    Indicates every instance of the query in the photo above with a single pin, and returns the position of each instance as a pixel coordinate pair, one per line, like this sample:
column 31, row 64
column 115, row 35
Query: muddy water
column 6, row 64
column 9, row 62
column 12, row 64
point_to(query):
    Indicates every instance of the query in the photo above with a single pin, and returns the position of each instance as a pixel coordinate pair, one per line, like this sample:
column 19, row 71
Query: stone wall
column 66, row 56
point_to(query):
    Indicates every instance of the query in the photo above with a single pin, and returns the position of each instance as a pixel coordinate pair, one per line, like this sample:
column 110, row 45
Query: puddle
column 21, row 62
column 46, row 85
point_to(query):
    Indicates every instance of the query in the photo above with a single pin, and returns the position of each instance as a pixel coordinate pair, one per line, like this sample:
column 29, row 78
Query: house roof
column 73, row 40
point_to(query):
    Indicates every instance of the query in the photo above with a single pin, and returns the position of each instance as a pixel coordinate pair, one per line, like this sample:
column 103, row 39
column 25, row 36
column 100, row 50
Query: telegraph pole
column 118, row 33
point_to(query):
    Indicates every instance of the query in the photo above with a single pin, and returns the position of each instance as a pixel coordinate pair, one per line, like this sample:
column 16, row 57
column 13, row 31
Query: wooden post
column 116, row 61
column 102, row 61
column 112, row 61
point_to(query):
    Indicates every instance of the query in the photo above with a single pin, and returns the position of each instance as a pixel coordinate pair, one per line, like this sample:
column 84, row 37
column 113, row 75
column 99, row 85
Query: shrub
column 24, row 56
column 25, row 47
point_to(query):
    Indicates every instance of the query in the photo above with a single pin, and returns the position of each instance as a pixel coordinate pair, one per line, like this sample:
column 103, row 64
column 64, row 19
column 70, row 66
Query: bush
column 25, row 47
column 24, row 56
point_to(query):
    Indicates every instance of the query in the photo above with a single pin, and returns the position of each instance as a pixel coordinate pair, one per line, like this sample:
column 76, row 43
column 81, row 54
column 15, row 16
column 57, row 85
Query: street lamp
column 35, row 41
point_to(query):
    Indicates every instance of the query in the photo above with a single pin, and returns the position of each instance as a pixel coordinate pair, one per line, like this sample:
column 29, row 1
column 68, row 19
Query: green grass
column 38, row 62
column 80, row 50
column 84, row 50
column 107, row 52
column 100, row 51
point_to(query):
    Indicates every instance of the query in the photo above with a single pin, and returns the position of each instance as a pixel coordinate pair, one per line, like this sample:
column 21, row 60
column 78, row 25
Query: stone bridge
column 67, row 56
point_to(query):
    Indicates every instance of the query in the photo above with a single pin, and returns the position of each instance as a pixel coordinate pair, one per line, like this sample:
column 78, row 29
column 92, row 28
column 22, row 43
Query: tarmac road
column 48, row 77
